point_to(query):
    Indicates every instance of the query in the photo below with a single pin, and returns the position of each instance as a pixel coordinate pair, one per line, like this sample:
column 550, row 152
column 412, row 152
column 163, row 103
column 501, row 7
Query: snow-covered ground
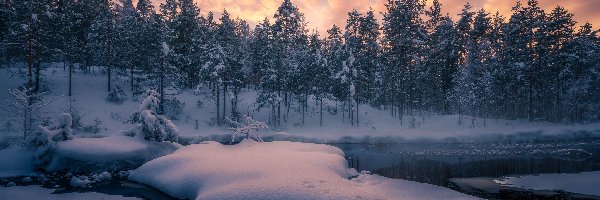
column 40, row 193
column 89, row 94
column 582, row 183
column 273, row 170
column 16, row 162
column 107, row 153
column 79, row 155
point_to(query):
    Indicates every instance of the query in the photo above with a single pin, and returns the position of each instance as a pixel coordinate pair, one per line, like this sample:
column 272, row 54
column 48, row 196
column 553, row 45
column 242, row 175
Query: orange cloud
column 322, row 14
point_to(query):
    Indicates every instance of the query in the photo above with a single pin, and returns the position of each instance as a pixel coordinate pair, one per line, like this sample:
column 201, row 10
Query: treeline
column 534, row 65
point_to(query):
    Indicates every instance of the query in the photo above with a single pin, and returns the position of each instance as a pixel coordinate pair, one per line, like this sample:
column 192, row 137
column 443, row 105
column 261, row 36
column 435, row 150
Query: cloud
column 322, row 14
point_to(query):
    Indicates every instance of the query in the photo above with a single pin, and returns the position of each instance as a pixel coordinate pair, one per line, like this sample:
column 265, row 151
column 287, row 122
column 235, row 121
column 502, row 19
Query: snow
column 85, row 181
column 375, row 124
column 403, row 189
column 39, row 193
column 16, row 161
column 582, row 183
column 165, row 49
column 250, row 128
column 273, row 170
column 108, row 153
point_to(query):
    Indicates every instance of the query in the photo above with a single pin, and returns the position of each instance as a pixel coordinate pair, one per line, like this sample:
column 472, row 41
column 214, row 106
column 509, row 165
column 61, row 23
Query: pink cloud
column 322, row 14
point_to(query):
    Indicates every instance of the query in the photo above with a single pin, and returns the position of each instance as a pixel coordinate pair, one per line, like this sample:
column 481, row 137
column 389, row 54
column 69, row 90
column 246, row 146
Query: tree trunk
column 30, row 64
column 224, row 99
column 70, row 78
column 357, row 113
column 37, row 76
column 131, row 80
column 218, row 106
column 108, row 71
column 161, row 87
column 350, row 112
column 321, row 111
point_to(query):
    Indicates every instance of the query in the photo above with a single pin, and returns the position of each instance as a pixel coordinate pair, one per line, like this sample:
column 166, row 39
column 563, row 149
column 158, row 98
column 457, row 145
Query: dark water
column 436, row 163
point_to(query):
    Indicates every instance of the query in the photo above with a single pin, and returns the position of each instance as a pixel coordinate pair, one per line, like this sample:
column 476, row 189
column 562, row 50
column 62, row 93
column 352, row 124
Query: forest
column 533, row 65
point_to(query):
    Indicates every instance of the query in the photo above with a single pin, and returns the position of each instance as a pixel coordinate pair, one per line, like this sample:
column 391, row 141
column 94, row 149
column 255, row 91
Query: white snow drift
column 273, row 170
column 108, row 153
column 582, row 183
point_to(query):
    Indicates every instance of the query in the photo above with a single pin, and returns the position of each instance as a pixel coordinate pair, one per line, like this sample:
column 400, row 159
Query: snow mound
column 16, row 161
column 106, row 154
column 403, row 189
column 582, row 183
column 272, row 170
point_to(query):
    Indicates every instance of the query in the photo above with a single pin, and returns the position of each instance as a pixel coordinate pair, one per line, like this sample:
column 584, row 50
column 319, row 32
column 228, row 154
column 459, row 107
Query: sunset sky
column 322, row 14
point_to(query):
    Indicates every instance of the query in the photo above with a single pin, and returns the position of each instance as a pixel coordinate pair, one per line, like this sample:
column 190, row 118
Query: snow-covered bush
column 250, row 128
column 151, row 126
column 45, row 137
column 116, row 95
column 61, row 128
column 41, row 141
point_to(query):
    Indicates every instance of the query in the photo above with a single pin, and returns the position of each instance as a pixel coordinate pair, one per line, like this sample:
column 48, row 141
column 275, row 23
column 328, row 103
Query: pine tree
column 370, row 59
column 289, row 32
column 185, row 25
column 101, row 39
column 581, row 102
column 443, row 63
column 474, row 78
column 126, row 40
column 404, row 37
column 264, row 59
column 559, row 31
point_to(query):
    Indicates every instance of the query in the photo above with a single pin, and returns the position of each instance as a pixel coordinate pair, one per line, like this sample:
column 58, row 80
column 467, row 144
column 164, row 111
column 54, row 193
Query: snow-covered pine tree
column 101, row 40
column 290, row 39
column 126, row 40
column 403, row 42
column 558, row 31
column 442, row 62
column 151, row 126
column 149, row 35
column 335, row 54
column 355, row 46
column 185, row 25
column 370, row 60
column 229, row 43
column 473, row 81
column 264, row 63
column 320, row 83
column 581, row 100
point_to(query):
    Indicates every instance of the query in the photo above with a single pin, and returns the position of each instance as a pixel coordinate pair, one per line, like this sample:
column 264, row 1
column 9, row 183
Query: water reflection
column 436, row 163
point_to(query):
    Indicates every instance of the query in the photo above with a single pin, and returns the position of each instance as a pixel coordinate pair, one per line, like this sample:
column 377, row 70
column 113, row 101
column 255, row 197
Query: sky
column 322, row 14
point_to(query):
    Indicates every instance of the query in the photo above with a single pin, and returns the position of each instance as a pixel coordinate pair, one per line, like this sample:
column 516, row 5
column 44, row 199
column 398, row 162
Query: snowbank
column 106, row 154
column 273, row 170
column 403, row 189
column 16, row 161
column 39, row 193
column 582, row 183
